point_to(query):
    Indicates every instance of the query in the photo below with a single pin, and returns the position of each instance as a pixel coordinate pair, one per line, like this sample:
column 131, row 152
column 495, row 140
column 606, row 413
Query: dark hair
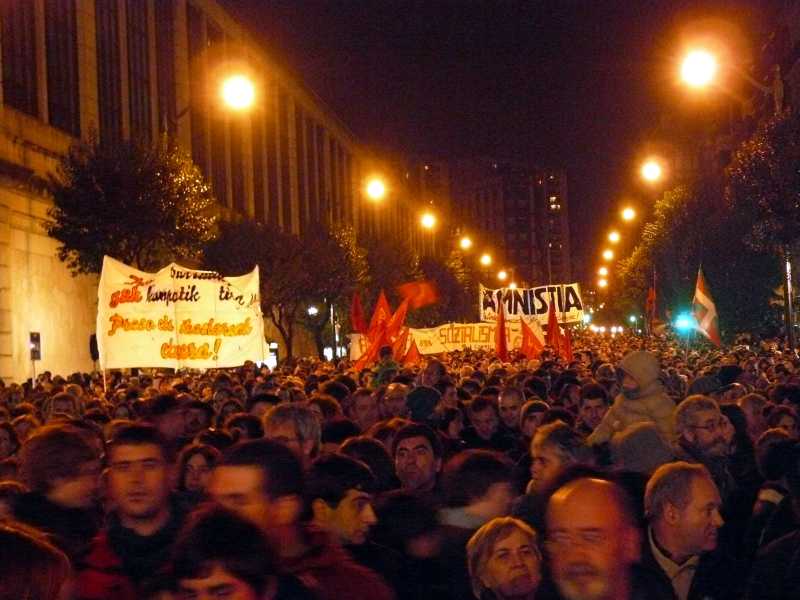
column 215, row 536
column 270, row 399
column 375, row 455
column 469, row 475
column 220, row 439
column 281, row 468
column 778, row 412
column 593, row 391
column 251, row 423
column 332, row 476
column 336, row 389
column 558, row 413
column 418, row 430
column 328, row 405
column 210, row 453
column 339, row 430
column 138, row 434
column 480, row 404
column 53, row 452
column 12, row 436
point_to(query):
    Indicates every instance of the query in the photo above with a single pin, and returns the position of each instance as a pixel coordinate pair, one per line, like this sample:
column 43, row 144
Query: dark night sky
column 564, row 83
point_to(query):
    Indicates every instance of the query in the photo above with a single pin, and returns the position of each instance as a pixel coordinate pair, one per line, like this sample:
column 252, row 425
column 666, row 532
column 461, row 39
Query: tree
column 389, row 264
column 145, row 206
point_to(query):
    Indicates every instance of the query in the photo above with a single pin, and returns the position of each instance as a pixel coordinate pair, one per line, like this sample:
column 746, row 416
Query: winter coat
column 651, row 404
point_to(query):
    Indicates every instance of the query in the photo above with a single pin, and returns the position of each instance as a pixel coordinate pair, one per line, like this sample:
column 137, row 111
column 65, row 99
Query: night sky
column 565, row 83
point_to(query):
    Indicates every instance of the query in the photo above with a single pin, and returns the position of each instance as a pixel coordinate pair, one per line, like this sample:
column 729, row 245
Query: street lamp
column 502, row 275
column 602, row 283
column 603, row 271
column 313, row 311
column 651, row 170
column 699, row 68
column 628, row 214
column 512, row 285
column 486, row 260
column 613, row 237
column 238, row 92
column 465, row 243
column 428, row 220
column 376, row 189
column 608, row 254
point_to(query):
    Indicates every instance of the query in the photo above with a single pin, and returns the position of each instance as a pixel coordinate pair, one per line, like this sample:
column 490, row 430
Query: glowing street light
column 512, row 285
column 376, row 189
column 602, row 283
column 613, row 237
column 313, row 311
column 502, row 275
column 465, row 243
column 603, row 271
column 486, row 260
column 238, row 92
column 652, row 171
column 628, row 214
column 428, row 220
column 632, row 319
column 608, row 254
column 699, row 68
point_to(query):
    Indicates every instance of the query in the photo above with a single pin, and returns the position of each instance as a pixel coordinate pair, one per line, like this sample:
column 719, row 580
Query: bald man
column 593, row 543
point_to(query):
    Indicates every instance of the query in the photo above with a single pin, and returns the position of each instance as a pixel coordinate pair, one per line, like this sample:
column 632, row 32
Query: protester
column 30, row 567
column 418, row 461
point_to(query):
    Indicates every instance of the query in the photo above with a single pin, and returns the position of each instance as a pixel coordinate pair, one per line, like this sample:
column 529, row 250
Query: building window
column 313, row 179
column 257, row 141
column 19, row 55
column 283, row 135
column 199, row 116
column 237, row 166
column 62, row 65
column 139, row 71
column 109, row 74
column 165, row 66
column 219, row 150
column 273, row 181
column 300, row 156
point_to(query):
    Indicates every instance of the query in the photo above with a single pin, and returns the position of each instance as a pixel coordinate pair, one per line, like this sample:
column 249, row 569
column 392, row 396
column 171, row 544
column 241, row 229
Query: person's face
column 450, row 397
column 218, row 584
column 700, row 520
column 197, row 473
column 241, row 489
column 196, row 420
column 286, row 434
column 63, row 406
column 531, row 423
column 351, row 520
column 485, row 423
column 589, row 545
column 365, row 411
column 79, row 491
column 788, row 424
column 138, row 480
column 514, row 567
column 546, row 465
column 6, row 445
column 415, row 463
column 172, row 424
column 509, row 409
column 706, row 433
column 593, row 411
column 455, row 427
column 394, row 402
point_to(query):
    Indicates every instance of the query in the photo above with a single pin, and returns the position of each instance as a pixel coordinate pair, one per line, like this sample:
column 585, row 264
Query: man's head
column 753, row 406
column 503, row 558
column 531, row 415
column 262, row 480
column 700, row 427
column 480, row 480
column 483, row 416
column 682, row 505
column 222, row 555
column 592, row 539
column 295, row 426
column 339, row 491
column 417, row 454
column 364, row 409
column 64, row 403
column 197, row 416
column 394, row 401
column 167, row 414
column 554, row 447
column 139, row 477
column 510, row 402
column 593, row 404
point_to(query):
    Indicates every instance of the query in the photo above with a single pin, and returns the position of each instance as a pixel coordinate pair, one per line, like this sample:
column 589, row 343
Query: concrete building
column 125, row 69
column 520, row 213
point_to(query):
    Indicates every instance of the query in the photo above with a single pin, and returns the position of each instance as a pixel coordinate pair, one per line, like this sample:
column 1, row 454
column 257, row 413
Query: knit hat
column 640, row 448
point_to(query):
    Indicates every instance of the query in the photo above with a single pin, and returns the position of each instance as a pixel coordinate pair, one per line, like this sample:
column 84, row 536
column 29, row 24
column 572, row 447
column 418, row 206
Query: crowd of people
column 637, row 469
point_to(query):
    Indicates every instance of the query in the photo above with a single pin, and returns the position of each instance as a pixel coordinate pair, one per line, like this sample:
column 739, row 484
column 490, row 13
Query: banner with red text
column 451, row 337
column 177, row 318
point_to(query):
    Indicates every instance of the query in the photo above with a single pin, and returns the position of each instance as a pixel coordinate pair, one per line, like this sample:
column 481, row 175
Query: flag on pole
column 357, row 320
column 395, row 324
column 566, row 346
column 553, row 330
column 413, row 356
column 705, row 312
column 381, row 316
column 418, row 293
column 531, row 343
column 399, row 345
column 500, row 341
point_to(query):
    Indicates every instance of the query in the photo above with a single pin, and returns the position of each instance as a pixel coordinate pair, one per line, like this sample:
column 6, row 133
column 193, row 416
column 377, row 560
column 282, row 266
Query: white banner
column 177, row 317
column 533, row 302
column 454, row 336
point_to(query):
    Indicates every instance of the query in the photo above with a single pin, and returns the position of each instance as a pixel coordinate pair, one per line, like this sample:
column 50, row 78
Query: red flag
column 705, row 312
column 566, row 347
column 553, row 331
column 500, row 341
column 399, row 345
column 381, row 316
column 418, row 293
column 395, row 324
column 357, row 321
column 650, row 304
column 413, row 356
column 371, row 354
column 531, row 346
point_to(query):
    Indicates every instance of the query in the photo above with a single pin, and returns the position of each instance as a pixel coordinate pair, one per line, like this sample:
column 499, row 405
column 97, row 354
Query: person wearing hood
column 642, row 398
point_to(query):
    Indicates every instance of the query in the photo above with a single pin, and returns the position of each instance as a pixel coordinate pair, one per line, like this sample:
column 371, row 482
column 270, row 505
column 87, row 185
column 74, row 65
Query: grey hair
column 671, row 483
column 686, row 411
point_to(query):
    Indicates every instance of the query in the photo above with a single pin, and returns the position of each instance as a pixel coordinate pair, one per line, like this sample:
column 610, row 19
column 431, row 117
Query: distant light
column 628, row 214
column 602, row 329
column 603, row 271
column 632, row 318
column 376, row 189
column 502, row 275
column 486, row 260
column 465, row 243
column 684, row 322
column 698, row 68
column 512, row 285
column 428, row 220
column 587, row 318
column 592, row 328
column 613, row 237
column 651, row 170
column 608, row 254
column 601, row 283
column 238, row 92
column 313, row 311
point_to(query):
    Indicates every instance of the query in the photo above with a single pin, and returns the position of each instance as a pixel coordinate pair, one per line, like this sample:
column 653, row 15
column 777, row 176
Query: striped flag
column 704, row 310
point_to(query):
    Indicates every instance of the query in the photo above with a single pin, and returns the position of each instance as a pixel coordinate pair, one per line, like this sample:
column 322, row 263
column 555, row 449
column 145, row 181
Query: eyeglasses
column 711, row 426
column 560, row 540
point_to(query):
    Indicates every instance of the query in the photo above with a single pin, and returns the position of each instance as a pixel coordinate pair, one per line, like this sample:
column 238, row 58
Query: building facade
column 139, row 69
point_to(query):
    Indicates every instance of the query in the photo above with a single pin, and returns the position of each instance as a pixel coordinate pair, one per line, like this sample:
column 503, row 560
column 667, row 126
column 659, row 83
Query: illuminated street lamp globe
column 512, row 285
column 502, row 275
column 651, row 171
column 238, row 92
column 699, row 68
column 465, row 243
column 608, row 254
column 376, row 189
column 428, row 220
column 313, row 311
column 602, row 283
column 486, row 260
column 628, row 214
column 613, row 237
column 603, row 271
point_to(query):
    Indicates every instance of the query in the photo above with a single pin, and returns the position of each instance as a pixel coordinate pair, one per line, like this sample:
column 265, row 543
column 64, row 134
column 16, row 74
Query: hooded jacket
column 650, row 404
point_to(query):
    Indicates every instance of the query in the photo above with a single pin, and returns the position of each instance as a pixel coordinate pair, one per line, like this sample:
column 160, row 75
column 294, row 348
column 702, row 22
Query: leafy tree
column 389, row 264
column 142, row 205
